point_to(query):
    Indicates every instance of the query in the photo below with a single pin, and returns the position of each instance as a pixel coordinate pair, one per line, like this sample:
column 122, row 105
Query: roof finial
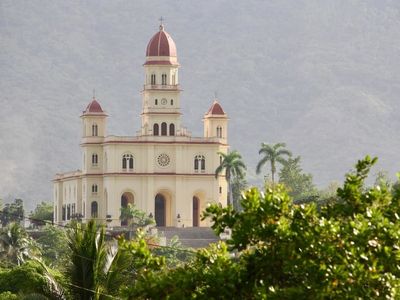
column 94, row 94
column 161, row 19
column 215, row 95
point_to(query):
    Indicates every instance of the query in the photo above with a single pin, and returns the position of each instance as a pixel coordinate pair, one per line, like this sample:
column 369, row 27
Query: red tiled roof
column 161, row 44
column 93, row 107
column 215, row 109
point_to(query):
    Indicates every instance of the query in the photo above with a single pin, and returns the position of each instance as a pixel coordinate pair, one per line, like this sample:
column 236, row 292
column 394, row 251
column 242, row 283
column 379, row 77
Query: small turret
column 94, row 120
column 216, row 122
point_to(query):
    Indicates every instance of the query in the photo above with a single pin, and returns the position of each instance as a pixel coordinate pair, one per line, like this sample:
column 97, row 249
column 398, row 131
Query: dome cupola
column 161, row 49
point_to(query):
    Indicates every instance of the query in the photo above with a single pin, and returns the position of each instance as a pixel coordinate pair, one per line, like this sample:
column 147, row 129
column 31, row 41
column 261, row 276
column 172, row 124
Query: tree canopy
column 274, row 153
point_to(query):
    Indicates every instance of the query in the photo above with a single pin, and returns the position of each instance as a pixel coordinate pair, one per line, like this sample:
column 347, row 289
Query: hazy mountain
column 323, row 76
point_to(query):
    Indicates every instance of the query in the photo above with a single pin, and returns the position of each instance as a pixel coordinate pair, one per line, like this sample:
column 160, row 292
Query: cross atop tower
column 161, row 19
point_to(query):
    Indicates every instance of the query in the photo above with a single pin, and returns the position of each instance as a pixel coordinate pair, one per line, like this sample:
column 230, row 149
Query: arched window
column 68, row 211
column 155, row 101
column 95, row 159
column 127, row 162
column 153, row 79
column 94, row 209
column 155, row 129
column 94, row 130
column 171, row 129
column 94, row 188
column 164, row 79
column 163, row 128
column 172, row 101
column 219, row 132
column 199, row 163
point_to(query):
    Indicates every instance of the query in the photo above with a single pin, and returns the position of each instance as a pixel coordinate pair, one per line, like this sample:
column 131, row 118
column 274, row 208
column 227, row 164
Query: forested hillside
column 322, row 76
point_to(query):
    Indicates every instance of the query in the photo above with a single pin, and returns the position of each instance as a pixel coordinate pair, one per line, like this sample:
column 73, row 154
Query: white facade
column 163, row 170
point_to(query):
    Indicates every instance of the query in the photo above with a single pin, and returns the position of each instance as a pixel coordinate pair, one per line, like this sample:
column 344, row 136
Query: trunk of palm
column 273, row 172
column 230, row 198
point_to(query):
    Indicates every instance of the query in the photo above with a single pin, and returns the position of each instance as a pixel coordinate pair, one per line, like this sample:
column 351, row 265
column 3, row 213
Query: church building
column 163, row 170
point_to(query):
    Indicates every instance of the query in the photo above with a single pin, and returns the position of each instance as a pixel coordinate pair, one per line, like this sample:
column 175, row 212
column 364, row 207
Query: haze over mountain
column 322, row 76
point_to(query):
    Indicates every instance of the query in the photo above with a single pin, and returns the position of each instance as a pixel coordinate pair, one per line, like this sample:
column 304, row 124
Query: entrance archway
column 196, row 211
column 126, row 198
column 160, row 210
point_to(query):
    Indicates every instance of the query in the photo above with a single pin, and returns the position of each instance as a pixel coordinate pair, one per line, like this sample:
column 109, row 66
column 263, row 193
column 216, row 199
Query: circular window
column 163, row 160
column 164, row 101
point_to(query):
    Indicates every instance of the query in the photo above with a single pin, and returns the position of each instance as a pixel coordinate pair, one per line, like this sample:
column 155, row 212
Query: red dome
column 215, row 109
column 93, row 107
column 161, row 44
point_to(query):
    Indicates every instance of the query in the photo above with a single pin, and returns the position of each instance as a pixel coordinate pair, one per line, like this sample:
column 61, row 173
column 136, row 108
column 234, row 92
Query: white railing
column 161, row 86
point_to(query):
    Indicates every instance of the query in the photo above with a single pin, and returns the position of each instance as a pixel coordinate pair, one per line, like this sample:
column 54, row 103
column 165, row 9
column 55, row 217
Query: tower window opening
column 94, row 188
column 171, row 129
column 163, row 128
column 94, row 209
column 153, row 79
column 219, row 132
column 220, row 189
column 156, row 102
column 127, row 162
column 156, row 129
column 94, row 130
column 199, row 163
column 95, row 159
column 164, row 79
column 172, row 101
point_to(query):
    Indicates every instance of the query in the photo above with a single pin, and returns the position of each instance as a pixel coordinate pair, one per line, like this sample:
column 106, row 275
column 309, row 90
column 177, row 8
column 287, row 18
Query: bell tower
column 161, row 91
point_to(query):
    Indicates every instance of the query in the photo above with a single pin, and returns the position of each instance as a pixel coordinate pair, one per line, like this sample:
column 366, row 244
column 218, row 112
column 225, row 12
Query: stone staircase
column 193, row 237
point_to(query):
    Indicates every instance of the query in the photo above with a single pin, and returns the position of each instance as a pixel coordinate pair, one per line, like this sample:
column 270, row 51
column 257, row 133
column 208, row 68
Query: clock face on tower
column 164, row 101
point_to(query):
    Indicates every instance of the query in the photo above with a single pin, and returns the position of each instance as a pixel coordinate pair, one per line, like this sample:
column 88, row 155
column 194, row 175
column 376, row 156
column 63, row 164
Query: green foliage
column 8, row 296
column 54, row 244
column 96, row 269
column 135, row 217
column 174, row 253
column 30, row 277
column 234, row 168
column 299, row 185
column 210, row 275
column 16, row 246
column 274, row 154
column 42, row 213
column 239, row 184
column 12, row 212
column 348, row 250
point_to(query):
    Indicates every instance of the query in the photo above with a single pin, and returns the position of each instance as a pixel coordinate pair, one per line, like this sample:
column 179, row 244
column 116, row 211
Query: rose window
column 163, row 160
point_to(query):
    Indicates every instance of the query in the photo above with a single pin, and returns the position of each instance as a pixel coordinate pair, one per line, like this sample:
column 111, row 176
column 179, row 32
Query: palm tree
column 15, row 244
column 95, row 269
column 234, row 168
column 272, row 153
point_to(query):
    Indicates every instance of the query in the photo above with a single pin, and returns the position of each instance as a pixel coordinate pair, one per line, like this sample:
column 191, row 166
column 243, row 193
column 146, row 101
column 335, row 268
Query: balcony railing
column 161, row 87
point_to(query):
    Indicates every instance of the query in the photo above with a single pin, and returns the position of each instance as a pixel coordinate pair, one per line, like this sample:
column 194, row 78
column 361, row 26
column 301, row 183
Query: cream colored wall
column 158, row 71
column 179, row 189
column 88, row 121
column 66, row 192
column 179, row 192
column 211, row 124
